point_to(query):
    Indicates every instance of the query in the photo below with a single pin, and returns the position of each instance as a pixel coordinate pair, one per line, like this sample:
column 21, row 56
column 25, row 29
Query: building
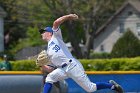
column 127, row 16
column 2, row 15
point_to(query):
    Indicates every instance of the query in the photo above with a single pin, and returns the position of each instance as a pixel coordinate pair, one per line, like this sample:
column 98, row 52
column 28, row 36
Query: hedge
column 115, row 64
column 24, row 65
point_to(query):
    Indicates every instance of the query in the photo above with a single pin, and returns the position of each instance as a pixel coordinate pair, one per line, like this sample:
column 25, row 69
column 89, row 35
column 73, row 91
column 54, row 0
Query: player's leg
column 56, row 85
column 77, row 73
column 56, row 75
column 116, row 87
column 47, row 87
column 89, row 86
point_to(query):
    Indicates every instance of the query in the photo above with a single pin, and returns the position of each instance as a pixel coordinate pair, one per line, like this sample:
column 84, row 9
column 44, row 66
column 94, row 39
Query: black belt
column 65, row 64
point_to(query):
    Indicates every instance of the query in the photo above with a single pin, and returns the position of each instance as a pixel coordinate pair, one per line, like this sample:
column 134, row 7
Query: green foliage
column 88, row 21
column 115, row 64
column 127, row 46
column 12, row 26
column 100, row 55
column 33, row 39
column 22, row 14
column 24, row 65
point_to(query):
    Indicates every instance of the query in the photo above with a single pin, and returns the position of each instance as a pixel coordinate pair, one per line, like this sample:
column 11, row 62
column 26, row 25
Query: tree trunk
column 74, row 40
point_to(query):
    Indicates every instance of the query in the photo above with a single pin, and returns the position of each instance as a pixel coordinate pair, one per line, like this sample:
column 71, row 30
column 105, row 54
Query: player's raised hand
column 73, row 16
column 61, row 19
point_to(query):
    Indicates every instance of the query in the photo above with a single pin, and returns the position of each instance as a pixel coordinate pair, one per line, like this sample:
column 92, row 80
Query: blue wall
column 20, row 83
column 32, row 83
column 129, row 82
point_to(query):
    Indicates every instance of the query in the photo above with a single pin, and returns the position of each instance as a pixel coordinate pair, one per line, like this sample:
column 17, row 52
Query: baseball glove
column 42, row 59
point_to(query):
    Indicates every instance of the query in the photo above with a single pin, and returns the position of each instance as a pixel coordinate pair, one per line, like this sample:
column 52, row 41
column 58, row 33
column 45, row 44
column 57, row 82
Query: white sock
column 112, row 87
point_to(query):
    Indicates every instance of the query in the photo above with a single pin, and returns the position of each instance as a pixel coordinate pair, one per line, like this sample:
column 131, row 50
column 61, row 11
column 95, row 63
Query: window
column 130, row 13
column 121, row 27
column 138, row 28
column 102, row 48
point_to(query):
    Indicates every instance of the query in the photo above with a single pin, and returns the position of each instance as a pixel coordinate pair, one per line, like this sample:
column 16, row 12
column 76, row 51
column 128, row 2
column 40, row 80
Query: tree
column 20, row 16
column 10, row 25
column 126, row 46
column 92, row 13
column 62, row 7
column 33, row 39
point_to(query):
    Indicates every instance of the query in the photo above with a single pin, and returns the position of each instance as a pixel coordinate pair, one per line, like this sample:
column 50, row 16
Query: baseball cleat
column 117, row 87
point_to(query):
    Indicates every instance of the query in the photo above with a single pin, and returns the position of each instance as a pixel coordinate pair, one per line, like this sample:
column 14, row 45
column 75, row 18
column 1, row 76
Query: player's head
column 46, row 29
column 46, row 33
column 5, row 57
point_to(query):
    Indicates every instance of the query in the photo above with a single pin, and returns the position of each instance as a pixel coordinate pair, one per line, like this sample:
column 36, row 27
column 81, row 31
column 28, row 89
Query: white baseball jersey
column 57, row 50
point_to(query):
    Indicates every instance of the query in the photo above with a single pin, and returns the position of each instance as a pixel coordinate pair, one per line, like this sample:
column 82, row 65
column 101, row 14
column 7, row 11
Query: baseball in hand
column 73, row 16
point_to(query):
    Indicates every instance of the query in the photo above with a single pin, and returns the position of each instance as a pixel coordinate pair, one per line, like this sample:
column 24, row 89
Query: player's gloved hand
column 42, row 59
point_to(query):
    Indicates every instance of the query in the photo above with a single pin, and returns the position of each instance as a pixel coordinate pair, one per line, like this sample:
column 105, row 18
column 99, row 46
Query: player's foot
column 117, row 87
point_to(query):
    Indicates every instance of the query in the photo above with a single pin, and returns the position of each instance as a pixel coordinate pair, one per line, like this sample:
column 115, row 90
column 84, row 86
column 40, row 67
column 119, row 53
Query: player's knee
column 90, row 90
column 51, row 78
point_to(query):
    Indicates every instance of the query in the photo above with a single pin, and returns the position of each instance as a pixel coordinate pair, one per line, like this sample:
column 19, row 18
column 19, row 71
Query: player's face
column 46, row 36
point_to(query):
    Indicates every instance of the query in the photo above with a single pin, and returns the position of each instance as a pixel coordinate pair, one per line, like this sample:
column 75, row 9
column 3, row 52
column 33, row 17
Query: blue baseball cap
column 46, row 29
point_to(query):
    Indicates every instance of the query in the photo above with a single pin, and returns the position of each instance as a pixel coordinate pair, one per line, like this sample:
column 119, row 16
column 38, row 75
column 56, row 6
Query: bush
column 24, row 65
column 127, row 46
column 115, row 64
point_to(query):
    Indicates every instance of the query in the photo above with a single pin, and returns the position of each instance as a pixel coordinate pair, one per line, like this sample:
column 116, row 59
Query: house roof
column 2, row 12
column 134, row 3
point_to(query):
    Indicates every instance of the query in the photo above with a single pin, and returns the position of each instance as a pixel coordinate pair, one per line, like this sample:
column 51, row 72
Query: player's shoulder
column 56, row 29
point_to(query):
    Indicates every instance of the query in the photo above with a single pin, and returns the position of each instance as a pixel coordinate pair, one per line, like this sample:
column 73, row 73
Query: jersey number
column 56, row 48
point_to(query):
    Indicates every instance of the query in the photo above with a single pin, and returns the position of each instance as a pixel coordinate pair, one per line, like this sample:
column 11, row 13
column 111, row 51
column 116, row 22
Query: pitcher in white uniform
column 67, row 65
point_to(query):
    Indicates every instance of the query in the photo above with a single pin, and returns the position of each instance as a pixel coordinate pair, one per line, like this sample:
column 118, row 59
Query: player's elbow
column 56, row 23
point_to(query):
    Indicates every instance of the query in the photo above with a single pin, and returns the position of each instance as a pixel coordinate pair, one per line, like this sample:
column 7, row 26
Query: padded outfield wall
column 26, row 82
column 129, row 80
column 30, row 82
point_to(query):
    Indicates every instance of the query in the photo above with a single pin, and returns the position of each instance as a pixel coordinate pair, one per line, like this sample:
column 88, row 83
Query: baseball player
column 67, row 65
